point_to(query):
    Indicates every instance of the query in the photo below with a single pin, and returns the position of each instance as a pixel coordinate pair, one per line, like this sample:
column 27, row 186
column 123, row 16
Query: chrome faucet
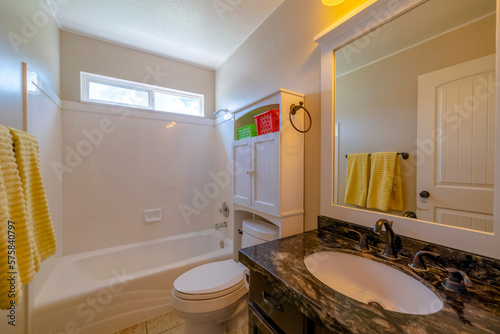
column 221, row 225
column 417, row 262
column 389, row 248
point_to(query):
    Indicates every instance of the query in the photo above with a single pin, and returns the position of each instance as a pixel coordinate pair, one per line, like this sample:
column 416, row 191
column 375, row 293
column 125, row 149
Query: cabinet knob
column 248, row 171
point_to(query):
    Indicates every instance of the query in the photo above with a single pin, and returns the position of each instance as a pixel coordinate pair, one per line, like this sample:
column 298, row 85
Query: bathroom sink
column 373, row 283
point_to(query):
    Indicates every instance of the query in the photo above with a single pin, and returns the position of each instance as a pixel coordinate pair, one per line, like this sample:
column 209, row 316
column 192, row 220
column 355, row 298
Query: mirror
column 423, row 84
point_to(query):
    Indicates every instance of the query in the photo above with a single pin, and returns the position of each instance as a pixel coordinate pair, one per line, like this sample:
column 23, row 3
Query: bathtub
column 106, row 290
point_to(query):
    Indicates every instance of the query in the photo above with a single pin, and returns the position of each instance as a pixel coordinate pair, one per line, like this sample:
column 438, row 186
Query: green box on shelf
column 247, row 131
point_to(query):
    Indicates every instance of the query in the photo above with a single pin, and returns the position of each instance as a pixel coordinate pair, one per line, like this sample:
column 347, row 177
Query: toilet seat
column 208, row 305
column 207, row 296
column 210, row 280
column 209, row 287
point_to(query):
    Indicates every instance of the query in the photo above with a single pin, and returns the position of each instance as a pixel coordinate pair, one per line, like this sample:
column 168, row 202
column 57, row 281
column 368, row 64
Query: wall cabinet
column 256, row 173
column 268, row 170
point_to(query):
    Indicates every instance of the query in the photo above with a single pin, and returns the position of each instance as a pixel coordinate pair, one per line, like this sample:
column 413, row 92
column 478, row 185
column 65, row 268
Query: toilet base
column 203, row 327
column 230, row 320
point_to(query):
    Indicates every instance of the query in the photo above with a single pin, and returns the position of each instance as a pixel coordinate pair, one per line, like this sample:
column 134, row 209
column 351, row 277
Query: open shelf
column 247, row 118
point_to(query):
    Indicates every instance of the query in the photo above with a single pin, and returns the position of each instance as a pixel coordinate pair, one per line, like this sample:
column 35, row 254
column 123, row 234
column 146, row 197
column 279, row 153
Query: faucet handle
column 417, row 262
column 457, row 280
column 220, row 225
column 362, row 245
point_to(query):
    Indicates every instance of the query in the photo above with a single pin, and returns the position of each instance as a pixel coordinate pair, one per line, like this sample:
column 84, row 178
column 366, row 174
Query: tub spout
column 221, row 225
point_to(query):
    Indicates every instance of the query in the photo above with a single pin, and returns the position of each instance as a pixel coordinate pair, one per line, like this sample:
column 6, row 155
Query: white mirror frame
column 370, row 16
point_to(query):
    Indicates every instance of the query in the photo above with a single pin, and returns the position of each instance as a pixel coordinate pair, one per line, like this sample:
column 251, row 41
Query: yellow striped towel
column 385, row 190
column 12, row 208
column 358, row 172
column 28, row 163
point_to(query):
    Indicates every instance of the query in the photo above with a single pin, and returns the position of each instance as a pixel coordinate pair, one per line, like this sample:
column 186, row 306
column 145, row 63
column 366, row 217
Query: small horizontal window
column 107, row 90
column 177, row 103
column 106, row 93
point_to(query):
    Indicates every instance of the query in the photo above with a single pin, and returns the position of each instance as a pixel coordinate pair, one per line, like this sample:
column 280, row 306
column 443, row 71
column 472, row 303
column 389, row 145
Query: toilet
column 212, row 298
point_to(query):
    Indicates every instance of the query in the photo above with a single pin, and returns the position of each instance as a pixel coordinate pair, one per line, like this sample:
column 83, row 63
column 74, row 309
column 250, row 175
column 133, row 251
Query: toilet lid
column 210, row 278
column 260, row 229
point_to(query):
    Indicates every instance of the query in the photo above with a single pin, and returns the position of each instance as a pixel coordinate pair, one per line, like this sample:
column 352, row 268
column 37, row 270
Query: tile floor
column 167, row 323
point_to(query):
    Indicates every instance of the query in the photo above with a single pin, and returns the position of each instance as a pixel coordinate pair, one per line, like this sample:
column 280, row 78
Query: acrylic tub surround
column 135, row 166
column 106, row 290
column 281, row 262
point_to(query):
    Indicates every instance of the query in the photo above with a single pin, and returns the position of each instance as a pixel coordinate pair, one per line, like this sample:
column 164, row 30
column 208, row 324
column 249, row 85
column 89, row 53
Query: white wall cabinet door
column 265, row 173
column 256, row 173
column 241, row 169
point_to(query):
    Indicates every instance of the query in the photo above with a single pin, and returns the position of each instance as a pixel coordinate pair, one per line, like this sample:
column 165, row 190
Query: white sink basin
column 372, row 282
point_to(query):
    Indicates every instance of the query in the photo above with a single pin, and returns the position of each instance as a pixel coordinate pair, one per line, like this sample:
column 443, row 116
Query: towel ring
column 293, row 110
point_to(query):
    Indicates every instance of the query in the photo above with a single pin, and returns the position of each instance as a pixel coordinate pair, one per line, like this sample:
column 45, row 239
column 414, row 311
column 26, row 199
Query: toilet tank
column 256, row 231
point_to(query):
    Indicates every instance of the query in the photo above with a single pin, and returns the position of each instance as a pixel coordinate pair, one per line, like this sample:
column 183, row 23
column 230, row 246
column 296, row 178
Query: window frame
column 87, row 78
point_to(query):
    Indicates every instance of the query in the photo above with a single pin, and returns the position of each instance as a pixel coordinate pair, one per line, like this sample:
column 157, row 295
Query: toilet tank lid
column 210, row 277
column 260, row 229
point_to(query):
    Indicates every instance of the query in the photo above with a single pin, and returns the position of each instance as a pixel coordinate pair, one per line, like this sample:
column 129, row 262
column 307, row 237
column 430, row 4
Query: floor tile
column 135, row 329
column 175, row 330
column 163, row 323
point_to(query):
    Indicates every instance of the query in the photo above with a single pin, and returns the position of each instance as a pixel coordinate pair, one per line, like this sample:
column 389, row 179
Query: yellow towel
column 24, row 203
column 28, row 162
column 385, row 190
column 358, row 172
column 12, row 207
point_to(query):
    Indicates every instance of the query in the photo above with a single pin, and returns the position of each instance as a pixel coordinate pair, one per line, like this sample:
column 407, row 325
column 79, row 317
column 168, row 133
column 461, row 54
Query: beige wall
column 282, row 54
column 79, row 53
column 387, row 110
column 39, row 47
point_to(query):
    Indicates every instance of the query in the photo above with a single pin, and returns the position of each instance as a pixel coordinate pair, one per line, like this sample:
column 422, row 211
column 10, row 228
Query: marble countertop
column 281, row 262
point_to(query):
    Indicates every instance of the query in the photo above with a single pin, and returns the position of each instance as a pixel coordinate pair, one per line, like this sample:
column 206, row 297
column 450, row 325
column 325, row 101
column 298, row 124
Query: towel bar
column 404, row 155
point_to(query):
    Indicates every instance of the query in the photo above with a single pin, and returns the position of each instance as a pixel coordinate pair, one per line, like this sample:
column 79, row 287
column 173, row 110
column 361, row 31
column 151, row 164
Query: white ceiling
column 201, row 32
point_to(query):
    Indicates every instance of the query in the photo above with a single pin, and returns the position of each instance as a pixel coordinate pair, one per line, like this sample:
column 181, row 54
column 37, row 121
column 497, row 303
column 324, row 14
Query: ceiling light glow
column 332, row 2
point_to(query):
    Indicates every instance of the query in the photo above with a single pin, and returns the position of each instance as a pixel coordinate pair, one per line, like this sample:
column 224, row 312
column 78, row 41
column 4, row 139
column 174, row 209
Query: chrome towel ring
column 293, row 110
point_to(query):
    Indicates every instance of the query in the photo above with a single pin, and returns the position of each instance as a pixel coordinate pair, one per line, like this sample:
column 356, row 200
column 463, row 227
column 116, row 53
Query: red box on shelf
column 268, row 122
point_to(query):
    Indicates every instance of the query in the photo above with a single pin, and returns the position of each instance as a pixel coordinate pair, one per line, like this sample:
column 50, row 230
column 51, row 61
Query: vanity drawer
column 258, row 324
column 275, row 306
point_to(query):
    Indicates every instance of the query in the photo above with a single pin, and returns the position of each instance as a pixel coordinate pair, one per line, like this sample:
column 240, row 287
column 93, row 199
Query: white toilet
column 212, row 298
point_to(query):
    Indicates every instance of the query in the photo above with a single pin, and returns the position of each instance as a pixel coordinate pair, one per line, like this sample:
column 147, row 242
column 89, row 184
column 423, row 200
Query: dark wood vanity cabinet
column 271, row 313
column 257, row 324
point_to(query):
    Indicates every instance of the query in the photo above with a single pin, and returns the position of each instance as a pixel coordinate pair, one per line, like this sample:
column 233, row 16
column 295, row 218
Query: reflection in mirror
column 423, row 84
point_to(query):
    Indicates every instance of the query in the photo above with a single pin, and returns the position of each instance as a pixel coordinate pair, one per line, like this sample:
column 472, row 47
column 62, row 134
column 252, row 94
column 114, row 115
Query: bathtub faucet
column 221, row 225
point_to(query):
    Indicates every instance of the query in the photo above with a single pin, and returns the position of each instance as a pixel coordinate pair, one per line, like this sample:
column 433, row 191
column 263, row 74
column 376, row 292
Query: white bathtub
column 106, row 290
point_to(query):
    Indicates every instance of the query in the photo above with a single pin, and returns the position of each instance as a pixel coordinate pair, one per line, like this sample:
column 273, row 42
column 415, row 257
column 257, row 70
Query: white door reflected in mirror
column 457, row 165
